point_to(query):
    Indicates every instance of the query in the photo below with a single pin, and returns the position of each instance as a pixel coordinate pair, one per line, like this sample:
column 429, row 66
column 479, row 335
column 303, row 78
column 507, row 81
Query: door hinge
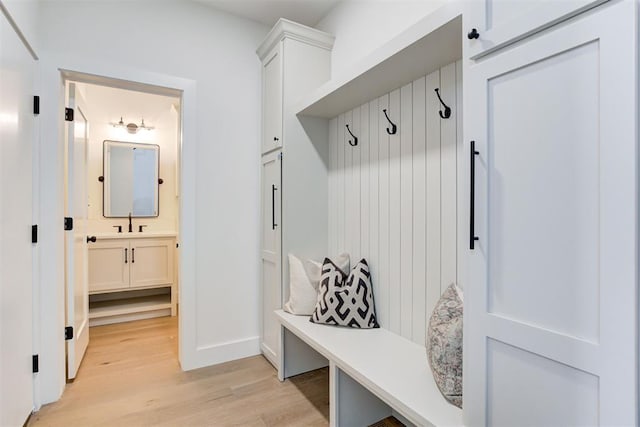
column 68, row 333
column 36, row 105
column 34, row 234
column 35, row 364
column 68, row 223
column 68, row 114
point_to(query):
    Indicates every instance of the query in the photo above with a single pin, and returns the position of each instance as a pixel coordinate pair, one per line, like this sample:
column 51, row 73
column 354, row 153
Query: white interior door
column 16, row 138
column 77, row 290
column 271, row 254
column 551, row 300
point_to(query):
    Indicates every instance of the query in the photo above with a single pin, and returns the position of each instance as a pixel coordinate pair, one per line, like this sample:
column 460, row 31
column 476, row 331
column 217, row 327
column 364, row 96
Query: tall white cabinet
column 551, row 298
column 296, row 59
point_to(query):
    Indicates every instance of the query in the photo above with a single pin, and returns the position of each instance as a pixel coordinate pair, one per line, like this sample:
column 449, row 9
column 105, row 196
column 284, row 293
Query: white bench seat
column 389, row 366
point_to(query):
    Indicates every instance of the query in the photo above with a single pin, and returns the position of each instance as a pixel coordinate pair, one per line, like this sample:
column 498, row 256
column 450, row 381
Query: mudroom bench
column 373, row 373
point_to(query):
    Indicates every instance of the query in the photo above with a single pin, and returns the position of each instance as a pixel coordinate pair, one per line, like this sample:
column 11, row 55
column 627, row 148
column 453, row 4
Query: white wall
column 360, row 26
column 216, row 52
column 106, row 105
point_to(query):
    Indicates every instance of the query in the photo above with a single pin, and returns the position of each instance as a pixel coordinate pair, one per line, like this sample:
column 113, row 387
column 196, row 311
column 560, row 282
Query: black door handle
column 125, row 255
column 273, row 207
column 472, row 197
column 133, row 255
column 91, row 239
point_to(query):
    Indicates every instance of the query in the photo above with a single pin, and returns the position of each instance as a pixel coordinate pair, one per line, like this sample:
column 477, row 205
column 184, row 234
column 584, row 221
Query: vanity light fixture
column 132, row 127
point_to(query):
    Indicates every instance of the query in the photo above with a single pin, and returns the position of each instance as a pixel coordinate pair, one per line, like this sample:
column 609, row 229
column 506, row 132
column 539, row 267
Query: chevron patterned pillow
column 345, row 301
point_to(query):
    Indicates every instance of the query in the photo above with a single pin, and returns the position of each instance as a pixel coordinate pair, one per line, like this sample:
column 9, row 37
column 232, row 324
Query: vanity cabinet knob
column 473, row 34
column 276, row 139
column 91, row 239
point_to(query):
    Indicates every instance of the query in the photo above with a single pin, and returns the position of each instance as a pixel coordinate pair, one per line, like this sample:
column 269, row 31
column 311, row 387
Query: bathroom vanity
column 131, row 276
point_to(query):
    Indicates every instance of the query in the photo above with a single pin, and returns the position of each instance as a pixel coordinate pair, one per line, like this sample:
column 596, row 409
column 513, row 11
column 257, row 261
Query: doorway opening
column 122, row 210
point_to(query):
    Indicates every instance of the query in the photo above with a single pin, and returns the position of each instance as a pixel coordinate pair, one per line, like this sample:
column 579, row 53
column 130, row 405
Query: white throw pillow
column 304, row 279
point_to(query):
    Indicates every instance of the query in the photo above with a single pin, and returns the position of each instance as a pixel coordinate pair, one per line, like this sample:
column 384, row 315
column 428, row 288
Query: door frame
column 49, row 283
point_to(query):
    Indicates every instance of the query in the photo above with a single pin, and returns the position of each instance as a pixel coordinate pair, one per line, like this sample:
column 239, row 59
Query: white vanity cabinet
column 131, row 275
column 295, row 60
column 494, row 24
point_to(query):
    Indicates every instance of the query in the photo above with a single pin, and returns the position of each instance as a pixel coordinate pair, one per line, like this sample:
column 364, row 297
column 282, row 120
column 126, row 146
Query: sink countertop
column 135, row 235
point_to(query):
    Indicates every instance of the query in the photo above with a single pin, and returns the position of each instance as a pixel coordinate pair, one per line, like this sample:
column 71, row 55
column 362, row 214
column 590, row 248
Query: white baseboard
column 270, row 355
column 223, row 352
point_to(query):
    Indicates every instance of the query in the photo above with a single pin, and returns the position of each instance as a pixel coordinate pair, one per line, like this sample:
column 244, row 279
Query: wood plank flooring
column 131, row 377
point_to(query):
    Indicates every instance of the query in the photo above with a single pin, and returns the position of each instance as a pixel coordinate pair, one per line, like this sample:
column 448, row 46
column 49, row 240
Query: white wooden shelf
column 431, row 43
column 119, row 307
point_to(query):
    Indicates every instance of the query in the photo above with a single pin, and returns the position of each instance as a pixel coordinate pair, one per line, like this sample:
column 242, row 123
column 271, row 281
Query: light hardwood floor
column 130, row 377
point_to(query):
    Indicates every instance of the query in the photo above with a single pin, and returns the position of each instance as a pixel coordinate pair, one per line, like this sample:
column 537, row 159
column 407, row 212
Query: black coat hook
column 394, row 128
column 355, row 138
column 447, row 110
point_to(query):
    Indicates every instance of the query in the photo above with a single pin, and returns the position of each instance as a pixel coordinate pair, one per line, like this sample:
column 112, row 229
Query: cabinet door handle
column 133, row 255
column 472, row 196
column 125, row 256
column 273, row 207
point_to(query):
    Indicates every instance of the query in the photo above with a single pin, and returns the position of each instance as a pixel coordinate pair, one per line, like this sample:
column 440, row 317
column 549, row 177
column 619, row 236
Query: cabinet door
column 550, row 304
column 500, row 22
column 151, row 262
column 109, row 265
column 271, row 253
column 272, row 101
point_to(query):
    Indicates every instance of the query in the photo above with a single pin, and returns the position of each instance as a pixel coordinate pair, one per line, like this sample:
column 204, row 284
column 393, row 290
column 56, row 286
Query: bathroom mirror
column 130, row 179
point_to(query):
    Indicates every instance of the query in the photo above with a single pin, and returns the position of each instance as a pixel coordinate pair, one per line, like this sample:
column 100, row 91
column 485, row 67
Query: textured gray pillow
column 444, row 344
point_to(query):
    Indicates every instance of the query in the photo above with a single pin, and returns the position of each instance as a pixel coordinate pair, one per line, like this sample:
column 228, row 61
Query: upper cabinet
column 496, row 23
column 284, row 82
column 272, row 100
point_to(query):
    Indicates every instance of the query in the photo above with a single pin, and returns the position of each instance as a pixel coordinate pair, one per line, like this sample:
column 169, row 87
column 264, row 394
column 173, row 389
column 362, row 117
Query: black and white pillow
column 345, row 301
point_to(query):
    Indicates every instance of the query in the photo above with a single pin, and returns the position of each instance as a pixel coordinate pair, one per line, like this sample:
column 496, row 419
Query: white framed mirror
column 131, row 179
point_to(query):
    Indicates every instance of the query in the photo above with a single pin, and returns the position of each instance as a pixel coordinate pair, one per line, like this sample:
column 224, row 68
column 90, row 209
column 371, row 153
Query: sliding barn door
column 550, row 321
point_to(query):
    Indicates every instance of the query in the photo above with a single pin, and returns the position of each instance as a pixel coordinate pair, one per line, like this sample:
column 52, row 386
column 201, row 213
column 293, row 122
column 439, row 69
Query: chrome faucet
column 130, row 225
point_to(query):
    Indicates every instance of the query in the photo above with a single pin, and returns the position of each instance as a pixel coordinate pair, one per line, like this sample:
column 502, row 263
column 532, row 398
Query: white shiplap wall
column 392, row 198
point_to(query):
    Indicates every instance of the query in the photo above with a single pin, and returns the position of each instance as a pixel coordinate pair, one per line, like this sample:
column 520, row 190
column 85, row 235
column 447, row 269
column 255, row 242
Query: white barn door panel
column 393, row 197
column 550, row 307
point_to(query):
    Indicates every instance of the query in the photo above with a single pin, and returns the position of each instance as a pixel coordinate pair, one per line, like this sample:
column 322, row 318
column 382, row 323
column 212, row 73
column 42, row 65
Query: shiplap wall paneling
column 348, row 186
column 340, row 188
column 432, row 122
column 365, row 212
column 395, row 288
column 406, row 210
column 396, row 196
column 383, row 301
column 374, row 197
column 333, row 196
column 355, row 212
column 448, row 194
column 419, row 276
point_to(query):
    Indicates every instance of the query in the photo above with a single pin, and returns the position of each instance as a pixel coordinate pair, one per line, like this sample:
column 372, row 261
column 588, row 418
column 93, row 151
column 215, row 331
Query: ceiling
column 307, row 12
